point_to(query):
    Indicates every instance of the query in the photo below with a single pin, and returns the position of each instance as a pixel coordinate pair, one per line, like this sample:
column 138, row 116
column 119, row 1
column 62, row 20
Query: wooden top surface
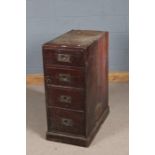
column 78, row 38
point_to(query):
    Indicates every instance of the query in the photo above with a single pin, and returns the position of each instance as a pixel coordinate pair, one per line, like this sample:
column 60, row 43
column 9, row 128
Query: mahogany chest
column 76, row 85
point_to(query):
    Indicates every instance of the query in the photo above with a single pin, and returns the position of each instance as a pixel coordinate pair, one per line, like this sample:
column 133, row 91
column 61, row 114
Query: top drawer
column 68, row 57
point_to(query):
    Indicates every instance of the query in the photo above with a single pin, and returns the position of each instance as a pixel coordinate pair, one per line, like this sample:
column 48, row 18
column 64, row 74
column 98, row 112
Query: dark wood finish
column 65, row 77
column 77, row 139
column 97, row 81
column 76, row 85
column 51, row 57
column 75, row 95
column 68, row 121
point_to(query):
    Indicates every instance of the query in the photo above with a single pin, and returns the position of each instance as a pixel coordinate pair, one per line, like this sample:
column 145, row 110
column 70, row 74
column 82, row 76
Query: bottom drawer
column 66, row 121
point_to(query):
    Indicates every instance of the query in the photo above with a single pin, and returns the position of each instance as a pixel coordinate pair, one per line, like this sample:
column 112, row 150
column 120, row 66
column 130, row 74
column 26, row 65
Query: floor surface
column 112, row 138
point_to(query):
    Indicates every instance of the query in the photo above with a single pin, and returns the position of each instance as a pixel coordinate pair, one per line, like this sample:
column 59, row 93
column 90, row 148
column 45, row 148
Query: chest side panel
column 96, row 82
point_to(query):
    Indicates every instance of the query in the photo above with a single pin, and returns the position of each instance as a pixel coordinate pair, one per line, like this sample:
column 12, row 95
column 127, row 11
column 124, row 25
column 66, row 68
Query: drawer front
column 66, row 97
column 63, row 57
column 66, row 121
column 64, row 77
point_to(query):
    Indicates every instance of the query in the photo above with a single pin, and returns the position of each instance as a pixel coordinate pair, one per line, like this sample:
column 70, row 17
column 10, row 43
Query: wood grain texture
column 37, row 79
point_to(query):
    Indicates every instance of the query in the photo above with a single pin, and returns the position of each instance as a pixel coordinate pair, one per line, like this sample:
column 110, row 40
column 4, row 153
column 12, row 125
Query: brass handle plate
column 67, row 122
column 65, row 99
column 64, row 58
column 64, row 77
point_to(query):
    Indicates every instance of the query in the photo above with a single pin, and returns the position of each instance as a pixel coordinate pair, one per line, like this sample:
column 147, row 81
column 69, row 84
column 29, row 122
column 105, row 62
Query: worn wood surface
column 75, row 39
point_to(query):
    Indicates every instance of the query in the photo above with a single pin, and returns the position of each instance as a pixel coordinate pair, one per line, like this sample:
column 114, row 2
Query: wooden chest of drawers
column 76, row 85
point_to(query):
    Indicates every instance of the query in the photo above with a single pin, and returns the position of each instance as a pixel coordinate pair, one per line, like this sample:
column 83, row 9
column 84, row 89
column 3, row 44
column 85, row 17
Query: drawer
column 71, row 98
column 63, row 57
column 65, row 77
column 66, row 121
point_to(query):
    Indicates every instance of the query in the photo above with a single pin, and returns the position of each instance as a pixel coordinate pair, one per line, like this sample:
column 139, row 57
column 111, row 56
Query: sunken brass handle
column 65, row 99
column 64, row 58
column 67, row 122
column 64, row 77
